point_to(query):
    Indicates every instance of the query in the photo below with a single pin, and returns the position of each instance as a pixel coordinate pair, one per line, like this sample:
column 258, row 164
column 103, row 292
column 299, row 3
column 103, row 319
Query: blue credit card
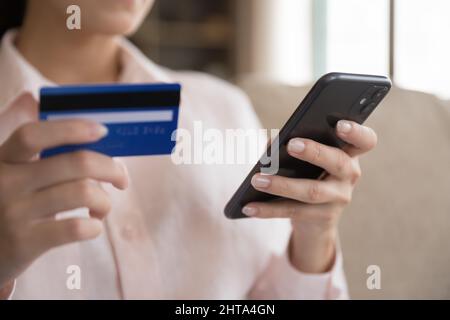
column 141, row 118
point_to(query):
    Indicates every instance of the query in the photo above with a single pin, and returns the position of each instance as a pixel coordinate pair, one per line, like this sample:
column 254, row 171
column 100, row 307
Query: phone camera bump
column 364, row 101
column 366, row 110
column 379, row 94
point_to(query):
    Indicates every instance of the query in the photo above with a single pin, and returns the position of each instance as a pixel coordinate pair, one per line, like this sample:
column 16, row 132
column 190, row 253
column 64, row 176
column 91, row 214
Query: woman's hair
column 11, row 14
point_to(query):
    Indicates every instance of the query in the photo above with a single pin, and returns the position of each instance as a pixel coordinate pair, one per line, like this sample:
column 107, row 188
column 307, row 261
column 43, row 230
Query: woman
column 156, row 230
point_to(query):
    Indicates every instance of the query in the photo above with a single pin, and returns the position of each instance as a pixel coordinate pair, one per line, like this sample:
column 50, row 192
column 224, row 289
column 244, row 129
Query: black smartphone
column 334, row 97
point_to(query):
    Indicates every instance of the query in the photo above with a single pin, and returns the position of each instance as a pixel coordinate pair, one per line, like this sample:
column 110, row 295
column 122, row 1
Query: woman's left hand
column 315, row 206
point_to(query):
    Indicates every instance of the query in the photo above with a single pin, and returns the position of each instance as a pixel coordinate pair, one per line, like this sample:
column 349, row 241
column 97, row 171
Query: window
column 422, row 45
column 355, row 36
column 292, row 34
column 280, row 39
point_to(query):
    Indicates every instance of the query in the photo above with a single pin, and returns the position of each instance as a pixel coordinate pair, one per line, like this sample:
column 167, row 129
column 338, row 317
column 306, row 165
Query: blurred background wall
column 296, row 41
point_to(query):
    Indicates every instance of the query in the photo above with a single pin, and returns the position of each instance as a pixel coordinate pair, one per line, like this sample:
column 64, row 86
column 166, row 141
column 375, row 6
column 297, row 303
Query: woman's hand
column 315, row 206
column 33, row 190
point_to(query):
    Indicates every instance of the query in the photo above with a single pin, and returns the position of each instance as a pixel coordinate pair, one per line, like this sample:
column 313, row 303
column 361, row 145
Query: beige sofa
column 400, row 215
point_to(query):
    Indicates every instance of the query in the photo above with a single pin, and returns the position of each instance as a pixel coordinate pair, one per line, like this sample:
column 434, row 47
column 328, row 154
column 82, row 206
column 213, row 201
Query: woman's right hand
column 33, row 190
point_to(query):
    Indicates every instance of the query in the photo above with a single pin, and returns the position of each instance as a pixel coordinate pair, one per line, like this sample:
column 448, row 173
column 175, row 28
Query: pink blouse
column 166, row 236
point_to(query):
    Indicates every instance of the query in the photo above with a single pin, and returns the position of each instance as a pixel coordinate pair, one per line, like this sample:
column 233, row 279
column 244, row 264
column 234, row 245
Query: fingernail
column 344, row 126
column 260, row 182
column 250, row 211
column 296, row 146
column 99, row 130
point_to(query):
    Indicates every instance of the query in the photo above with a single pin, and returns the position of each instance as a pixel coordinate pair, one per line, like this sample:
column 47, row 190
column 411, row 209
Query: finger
column 304, row 190
column 53, row 233
column 64, row 197
column 333, row 160
column 22, row 109
column 285, row 209
column 361, row 138
column 75, row 166
column 34, row 137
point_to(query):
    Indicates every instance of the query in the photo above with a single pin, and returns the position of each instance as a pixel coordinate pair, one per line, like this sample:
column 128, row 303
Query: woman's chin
column 117, row 27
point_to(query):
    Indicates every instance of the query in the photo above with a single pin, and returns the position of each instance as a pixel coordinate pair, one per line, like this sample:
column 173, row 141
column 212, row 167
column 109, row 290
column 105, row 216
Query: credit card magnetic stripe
column 104, row 96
